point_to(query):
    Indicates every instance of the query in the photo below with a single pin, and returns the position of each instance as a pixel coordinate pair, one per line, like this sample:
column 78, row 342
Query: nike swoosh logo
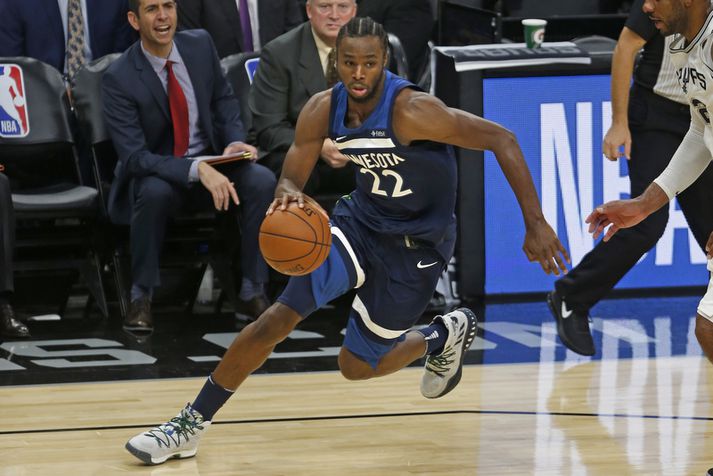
column 339, row 139
column 565, row 312
column 422, row 266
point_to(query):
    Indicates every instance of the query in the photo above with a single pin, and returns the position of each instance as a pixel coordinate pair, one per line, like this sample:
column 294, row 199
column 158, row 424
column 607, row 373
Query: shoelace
column 181, row 426
column 439, row 364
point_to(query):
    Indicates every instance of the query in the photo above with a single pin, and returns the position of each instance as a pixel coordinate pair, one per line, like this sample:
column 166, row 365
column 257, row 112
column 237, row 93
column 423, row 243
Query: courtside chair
column 56, row 214
column 399, row 62
column 239, row 70
column 192, row 240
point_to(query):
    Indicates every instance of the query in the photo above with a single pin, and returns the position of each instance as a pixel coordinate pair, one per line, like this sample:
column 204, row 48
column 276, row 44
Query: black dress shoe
column 9, row 325
column 139, row 320
column 252, row 308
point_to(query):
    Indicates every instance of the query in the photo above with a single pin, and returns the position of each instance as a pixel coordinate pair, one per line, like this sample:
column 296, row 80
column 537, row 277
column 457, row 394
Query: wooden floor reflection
column 609, row 417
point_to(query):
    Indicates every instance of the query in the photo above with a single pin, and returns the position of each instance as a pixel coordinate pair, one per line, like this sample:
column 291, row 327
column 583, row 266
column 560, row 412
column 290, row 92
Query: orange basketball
column 296, row 240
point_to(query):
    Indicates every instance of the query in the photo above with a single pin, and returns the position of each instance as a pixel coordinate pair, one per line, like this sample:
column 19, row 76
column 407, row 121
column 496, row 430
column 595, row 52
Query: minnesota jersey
column 400, row 190
column 694, row 70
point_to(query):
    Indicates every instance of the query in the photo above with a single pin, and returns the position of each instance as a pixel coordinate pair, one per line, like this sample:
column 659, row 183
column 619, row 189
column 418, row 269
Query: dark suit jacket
column 137, row 114
column 289, row 74
column 222, row 20
column 411, row 20
column 34, row 28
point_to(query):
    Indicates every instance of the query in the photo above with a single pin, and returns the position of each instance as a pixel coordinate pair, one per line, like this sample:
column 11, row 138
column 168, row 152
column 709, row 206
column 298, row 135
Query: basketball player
column 650, row 117
column 692, row 56
column 392, row 236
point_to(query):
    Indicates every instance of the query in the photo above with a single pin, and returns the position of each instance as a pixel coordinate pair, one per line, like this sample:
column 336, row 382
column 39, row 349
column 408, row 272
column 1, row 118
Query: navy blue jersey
column 400, row 190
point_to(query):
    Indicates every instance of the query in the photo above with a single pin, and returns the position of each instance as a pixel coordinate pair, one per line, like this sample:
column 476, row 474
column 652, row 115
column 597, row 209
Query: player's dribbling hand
column 543, row 246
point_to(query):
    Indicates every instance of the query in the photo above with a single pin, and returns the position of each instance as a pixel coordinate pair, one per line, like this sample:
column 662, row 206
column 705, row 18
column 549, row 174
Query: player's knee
column 275, row 324
column 353, row 368
column 704, row 331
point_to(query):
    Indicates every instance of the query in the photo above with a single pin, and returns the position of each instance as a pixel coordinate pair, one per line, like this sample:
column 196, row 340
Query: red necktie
column 179, row 113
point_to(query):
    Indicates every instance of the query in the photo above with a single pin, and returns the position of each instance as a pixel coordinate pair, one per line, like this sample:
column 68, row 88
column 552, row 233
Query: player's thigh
column 399, row 285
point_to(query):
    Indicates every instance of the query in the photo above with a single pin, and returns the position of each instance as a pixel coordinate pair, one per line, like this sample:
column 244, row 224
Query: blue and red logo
column 14, row 121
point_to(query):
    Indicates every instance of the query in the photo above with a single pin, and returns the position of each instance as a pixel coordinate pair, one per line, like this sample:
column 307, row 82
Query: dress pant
column 657, row 128
column 7, row 235
column 154, row 200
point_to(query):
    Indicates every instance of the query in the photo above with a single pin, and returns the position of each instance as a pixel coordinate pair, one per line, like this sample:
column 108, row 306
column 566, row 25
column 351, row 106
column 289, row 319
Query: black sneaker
column 572, row 326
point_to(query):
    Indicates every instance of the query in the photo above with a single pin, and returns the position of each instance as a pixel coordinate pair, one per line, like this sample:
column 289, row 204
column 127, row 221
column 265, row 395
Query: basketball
column 296, row 241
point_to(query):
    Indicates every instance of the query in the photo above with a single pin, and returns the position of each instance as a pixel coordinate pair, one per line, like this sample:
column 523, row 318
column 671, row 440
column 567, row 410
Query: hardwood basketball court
column 525, row 406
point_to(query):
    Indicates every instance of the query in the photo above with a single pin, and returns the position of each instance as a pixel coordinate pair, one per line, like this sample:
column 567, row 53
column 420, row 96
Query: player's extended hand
column 220, row 188
column 542, row 245
column 616, row 215
column 332, row 155
column 616, row 136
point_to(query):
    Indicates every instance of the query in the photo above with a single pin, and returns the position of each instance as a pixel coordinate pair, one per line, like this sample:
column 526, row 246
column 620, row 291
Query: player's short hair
column 359, row 27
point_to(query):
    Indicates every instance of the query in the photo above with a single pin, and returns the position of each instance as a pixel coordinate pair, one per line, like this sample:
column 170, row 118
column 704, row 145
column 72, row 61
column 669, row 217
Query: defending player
column 692, row 57
column 392, row 236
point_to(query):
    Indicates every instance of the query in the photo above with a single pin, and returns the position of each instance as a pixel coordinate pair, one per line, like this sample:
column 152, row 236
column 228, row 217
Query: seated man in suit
column 64, row 33
column 9, row 325
column 410, row 20
column 165, row 100
column 236, row 29
column 293, row 68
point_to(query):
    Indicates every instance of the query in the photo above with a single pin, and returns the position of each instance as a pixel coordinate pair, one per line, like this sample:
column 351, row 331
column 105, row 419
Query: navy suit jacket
column 222, row 20
column 34, row 28
column 139, row 120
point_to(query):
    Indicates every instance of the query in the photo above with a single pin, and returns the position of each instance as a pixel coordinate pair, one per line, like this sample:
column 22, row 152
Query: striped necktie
column 245, row 27
column 75, row 37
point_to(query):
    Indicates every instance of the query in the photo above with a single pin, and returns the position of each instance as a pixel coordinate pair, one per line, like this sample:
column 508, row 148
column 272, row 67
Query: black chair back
column 56, row 215
column 399, row 62
column 88, row 107
column 234, row 68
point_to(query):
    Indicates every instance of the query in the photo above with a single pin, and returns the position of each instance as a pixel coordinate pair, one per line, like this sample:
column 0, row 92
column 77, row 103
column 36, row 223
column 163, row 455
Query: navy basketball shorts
column 395, row 278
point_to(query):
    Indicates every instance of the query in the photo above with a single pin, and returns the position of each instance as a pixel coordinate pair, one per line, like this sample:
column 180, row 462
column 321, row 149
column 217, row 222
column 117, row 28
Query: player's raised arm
column 462, row 129
column 311, row 130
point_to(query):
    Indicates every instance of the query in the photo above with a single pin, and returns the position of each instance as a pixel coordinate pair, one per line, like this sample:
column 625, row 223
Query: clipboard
column 223, row 159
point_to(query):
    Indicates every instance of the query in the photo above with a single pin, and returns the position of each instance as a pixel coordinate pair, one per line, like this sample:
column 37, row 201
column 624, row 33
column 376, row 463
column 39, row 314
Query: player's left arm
column 462, row 129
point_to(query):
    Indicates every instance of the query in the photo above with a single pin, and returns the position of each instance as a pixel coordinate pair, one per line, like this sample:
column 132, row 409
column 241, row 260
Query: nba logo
column 14, row 121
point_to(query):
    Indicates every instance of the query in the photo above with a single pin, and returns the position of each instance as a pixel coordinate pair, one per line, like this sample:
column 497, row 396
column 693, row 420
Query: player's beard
column 372, row 91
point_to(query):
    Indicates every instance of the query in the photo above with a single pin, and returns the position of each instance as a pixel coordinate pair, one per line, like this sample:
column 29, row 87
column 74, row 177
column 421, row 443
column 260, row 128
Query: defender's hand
column 616, row 215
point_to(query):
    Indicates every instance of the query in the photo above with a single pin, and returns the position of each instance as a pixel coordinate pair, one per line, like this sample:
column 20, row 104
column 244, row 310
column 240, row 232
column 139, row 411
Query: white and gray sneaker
column 443, row 371
column 177, row 438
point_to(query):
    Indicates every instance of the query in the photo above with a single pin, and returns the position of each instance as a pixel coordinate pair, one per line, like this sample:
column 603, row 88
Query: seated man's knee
column 353, row 368
column 154, row 192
